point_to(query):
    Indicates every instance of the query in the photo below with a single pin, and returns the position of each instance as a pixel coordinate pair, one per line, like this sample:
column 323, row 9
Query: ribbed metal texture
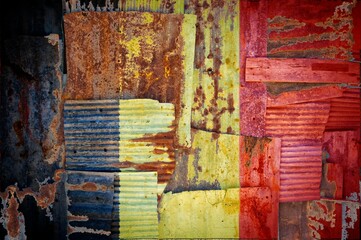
column 135, row 205
column 90, row 204
column 109, row 135
column 300, row 126
column 345, row 111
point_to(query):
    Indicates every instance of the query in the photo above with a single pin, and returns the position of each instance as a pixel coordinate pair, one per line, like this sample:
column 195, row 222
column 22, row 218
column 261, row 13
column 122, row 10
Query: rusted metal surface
column 90, row 204
column 345, row 111
column 132, row 55
column 114, row 135
column 135, row 213
column 332, row 180
column 253, row 43
column 200, row 214
column 256, row 207
column 31, row 142
column 342, row 148
column 260, row 185
column 301, row 70
column 216, row 67
column 319, row 29
column 164, row 6
column 301, row 127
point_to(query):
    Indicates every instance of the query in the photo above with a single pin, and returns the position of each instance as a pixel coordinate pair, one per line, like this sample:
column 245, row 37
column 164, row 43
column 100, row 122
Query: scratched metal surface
column 114, row 55
column 216, row 67
column 301, row 127
column 114, row 135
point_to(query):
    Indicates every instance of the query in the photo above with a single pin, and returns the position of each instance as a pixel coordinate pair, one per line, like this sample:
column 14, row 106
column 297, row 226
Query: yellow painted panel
column 214, row 160
column 200, row 214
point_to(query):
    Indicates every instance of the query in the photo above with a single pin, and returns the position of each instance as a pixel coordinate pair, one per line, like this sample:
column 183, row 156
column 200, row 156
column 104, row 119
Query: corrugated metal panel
column 345, row 111
column 200, row 214
column 90, row 204
column 216, row 75
column 135, row 212
column 110, row 135
column 114, row 55
column 300, row 126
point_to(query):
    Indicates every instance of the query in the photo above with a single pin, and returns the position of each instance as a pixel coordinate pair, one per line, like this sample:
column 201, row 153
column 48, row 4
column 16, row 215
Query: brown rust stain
column 13, row 224
column 87, row 186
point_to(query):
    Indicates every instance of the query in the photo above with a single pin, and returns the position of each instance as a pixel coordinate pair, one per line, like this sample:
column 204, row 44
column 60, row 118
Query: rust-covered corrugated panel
column 110, row 135
column 295, row 70
column 300, row 126
column 200, row 214
column 313, row 29
column 135, row 212
column 345, row 111
column 132, row 55
column 90, row 204
column 216, row 74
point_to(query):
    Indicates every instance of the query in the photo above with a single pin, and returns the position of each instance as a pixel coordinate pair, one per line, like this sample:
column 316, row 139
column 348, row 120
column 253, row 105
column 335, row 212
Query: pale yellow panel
column 200, row 214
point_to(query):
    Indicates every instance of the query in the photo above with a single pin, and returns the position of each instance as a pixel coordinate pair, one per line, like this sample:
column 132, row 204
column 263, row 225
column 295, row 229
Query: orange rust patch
column 12, row 214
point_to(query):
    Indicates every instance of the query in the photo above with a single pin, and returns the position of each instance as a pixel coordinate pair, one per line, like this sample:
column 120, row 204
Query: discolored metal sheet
column 332, row 180
column 342, row 147
column 256, row 207
column 90, row 204
column 216, row 75
column 200, row 214
column 114, row 55
column 260, row 185
column 301, row 127
column 345, row 111
column 301, row 70
column 135, row 205
column 313, row 29
column 114, row 135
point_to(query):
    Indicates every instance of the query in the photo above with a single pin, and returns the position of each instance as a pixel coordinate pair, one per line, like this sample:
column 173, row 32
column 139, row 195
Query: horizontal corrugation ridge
column 300, row 126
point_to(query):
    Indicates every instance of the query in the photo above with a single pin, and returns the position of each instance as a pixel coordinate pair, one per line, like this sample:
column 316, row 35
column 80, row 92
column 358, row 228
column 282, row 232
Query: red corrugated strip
column 300, row 126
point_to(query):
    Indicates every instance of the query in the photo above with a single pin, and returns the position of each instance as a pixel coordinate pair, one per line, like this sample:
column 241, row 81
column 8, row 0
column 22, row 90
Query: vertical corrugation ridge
column 135, row 205
column 300, row 126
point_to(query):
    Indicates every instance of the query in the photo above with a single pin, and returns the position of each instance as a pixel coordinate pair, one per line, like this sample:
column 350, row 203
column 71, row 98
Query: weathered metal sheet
column 313, row 29
column 296, row 70
column 342, row 147
column 110, row 135
column 200, row 214
column 332, row 180
column 90, row 204
column 255, row 209
column 260, row 185
column 300, row 126
column 167, row 6
column 132, row 55
column 135, row 212
column 216, row 74
column 345, row 111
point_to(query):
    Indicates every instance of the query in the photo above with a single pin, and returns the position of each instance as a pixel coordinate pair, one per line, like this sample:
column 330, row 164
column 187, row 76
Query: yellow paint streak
column 188, row 33
column 147, row 18
column 200, row 214
column 214, row 160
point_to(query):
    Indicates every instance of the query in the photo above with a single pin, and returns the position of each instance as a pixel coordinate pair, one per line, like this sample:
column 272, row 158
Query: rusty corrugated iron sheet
column 135, row 213
column 297, row 70
column 114, row 55
column 301, row 127
column 200, row 214
column 345, row 111
column 114, row 135
column 90, row 204
column 216, row 74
